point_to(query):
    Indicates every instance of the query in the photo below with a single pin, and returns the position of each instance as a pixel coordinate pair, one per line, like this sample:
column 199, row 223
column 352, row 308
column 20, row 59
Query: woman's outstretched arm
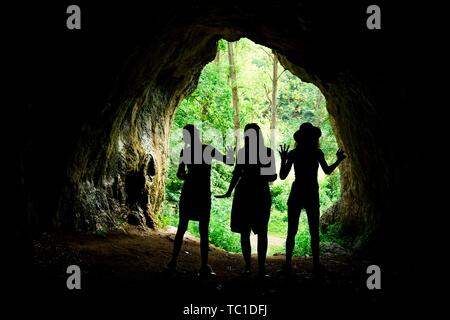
column 323, row 163
column 237, row 172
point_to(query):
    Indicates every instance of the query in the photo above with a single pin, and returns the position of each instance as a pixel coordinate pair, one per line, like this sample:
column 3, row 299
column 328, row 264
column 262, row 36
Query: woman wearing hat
column 306, row 158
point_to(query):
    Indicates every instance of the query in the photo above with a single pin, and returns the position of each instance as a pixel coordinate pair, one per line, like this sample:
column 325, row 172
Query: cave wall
column 142, row 109
column 110, row 90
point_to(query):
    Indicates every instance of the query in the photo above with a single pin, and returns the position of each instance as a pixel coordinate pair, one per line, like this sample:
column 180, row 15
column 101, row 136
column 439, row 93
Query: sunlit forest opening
column 269, row 95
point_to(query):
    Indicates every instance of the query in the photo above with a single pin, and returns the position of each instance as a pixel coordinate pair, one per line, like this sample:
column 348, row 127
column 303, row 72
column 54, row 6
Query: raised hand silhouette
column 284, row 151
column 340, row 154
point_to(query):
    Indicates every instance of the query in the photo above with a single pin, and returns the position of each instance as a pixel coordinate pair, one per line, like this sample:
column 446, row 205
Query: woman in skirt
column 255, row 168
column 195, row 199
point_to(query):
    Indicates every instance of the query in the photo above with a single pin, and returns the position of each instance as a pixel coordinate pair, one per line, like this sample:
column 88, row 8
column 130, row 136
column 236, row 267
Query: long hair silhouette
column 255, row 168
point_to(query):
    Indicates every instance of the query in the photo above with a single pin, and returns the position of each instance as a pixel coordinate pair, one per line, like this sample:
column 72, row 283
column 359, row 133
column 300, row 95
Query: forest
column 246, row 83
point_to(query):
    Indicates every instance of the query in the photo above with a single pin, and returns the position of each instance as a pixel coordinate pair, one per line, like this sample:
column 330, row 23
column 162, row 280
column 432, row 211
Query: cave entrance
column 260, row 83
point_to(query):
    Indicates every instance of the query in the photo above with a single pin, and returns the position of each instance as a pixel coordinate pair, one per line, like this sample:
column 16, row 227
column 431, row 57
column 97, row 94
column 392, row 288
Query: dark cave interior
column 95, row 105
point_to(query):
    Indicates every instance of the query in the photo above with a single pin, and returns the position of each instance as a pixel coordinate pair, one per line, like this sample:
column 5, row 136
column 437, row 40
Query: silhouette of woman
column 306, row 158
column 195, row 199
column 255, row 168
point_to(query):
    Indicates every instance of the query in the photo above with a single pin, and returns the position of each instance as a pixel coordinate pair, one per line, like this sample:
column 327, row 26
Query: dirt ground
column 124, row 271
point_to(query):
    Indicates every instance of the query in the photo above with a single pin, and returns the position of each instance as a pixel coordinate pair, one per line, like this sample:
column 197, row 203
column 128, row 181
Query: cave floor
column 128, row 268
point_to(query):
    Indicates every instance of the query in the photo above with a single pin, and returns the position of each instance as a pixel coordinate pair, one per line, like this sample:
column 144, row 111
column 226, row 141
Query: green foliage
column 278, row 223
column 169, row 216
column 302, row 239
column 210, row 108
column 329, row 190
column 280, row 195
column 336, row 235
column 219, row 229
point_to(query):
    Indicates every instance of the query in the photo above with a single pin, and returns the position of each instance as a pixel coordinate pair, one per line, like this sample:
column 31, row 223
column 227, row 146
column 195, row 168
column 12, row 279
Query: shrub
column 280, row 195
column 335, row 234
column 303, row 239
column 169, row 216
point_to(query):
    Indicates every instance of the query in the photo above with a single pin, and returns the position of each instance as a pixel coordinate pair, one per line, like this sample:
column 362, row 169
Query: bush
column 169, row 216
column 278, row 223
column 280, row 194
column 335, row 234
column 303, row 239
column 329, row 191
column 220, row 233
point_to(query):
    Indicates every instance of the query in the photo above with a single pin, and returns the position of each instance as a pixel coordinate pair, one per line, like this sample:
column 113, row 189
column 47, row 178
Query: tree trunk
column 234, row 91
column 318, row 101
column 217, row 58
column 273, row 121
